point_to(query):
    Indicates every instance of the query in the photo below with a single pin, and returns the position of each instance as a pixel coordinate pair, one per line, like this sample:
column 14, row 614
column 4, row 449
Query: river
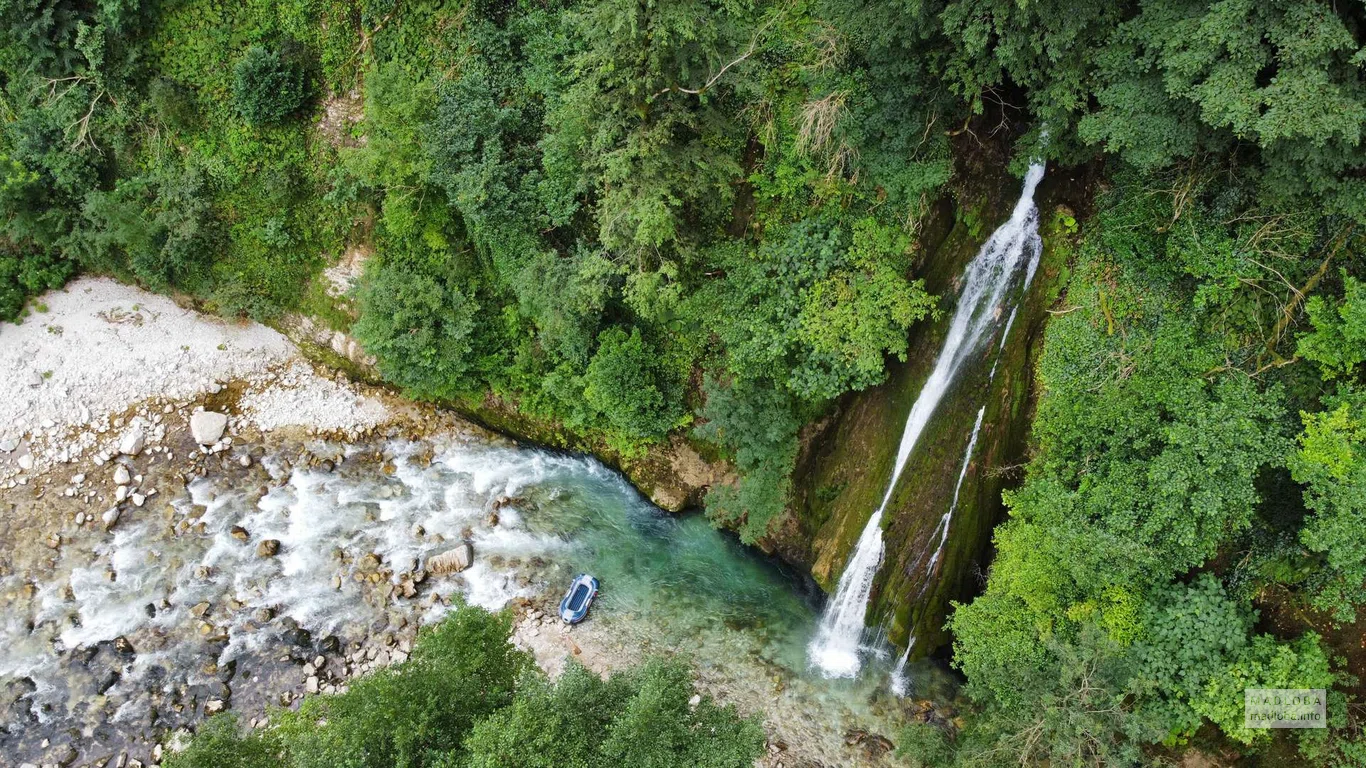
column 133, row 633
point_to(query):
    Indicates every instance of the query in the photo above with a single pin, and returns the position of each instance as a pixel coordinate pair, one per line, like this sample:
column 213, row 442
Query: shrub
column 266, row 86
column 625, row 385
column 420, row 329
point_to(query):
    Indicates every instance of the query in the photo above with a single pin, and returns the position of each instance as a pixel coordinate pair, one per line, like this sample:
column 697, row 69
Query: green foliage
column 219, row 743
column 25, row 274
column 757, row 423
column 660, row 160
column 1330, row 461
column 266, row 86
column 639, row 717
column 1072, row 710
column 924, row 745
column 1152, row 457
column 1145, row 467
column 819, row 307
column 468, row 697
column 626, row 383
column 1338, row 340
column 420, row 328
column 417, row 713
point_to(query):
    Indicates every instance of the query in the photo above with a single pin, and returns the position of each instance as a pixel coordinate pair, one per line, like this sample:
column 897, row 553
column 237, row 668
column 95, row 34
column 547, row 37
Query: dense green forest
column 700, row 217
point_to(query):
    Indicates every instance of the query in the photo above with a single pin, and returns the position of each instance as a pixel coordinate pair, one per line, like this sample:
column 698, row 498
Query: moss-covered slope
column 844, row 469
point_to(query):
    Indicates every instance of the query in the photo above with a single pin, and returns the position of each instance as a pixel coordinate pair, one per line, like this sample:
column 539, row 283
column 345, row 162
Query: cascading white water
column 901, row 682
column 835, row 649
column 943, row 528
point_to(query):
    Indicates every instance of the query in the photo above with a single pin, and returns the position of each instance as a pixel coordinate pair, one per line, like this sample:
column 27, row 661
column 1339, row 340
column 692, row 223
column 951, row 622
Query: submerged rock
column 268, row 548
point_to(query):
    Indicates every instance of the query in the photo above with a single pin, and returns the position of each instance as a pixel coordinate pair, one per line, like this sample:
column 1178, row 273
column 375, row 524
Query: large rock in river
column 452, row 560
column 207, row 426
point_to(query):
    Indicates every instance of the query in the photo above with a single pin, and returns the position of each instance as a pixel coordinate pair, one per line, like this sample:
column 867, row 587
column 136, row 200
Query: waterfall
column 901, row 684
column 943, row 528
column 835, row 649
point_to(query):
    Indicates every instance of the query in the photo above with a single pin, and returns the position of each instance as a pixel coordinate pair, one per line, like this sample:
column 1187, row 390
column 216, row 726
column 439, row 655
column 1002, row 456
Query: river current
column 209, row 617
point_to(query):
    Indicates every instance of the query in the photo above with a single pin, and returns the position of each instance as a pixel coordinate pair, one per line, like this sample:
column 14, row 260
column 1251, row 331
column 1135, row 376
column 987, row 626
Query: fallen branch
column 83, row 124
column 750, row 51
column 1288, row 314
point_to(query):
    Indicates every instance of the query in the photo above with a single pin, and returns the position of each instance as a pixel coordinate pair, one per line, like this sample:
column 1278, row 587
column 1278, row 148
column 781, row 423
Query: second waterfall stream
column 987, row 283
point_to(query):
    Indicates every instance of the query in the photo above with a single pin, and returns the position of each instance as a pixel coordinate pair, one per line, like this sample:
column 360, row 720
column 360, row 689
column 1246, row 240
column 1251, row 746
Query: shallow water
column 669, row 583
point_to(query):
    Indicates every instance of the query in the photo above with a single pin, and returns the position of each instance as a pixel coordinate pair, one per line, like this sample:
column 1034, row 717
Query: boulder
column 106, row 681
column 63, row 755
column 268, row 548
column 239, row 533
column 207, row 426
column 452, row 560
column 121, row 475
column 132, row 442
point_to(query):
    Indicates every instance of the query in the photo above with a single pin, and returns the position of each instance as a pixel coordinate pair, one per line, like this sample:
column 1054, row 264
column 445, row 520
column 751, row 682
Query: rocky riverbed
column 195, row 519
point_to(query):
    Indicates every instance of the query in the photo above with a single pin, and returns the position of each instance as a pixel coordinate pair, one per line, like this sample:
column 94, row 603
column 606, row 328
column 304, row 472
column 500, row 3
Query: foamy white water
column 900, row 681
column 835, row 650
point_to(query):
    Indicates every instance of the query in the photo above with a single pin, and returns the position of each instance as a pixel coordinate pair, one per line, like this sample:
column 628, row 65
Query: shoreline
column 73, row 501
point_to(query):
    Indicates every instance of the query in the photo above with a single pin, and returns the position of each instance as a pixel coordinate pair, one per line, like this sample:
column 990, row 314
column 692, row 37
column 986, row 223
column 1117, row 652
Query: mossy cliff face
column 847, row 460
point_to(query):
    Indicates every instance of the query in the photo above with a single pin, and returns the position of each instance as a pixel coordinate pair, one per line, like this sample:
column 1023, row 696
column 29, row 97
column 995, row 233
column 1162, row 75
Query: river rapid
column 113, row 641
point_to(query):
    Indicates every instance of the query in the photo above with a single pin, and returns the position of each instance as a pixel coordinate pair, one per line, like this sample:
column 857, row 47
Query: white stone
column 121, row 476
column 26, row 462
column 132, row 442
column 121, row 493
column 138, row 499
column 207, row 426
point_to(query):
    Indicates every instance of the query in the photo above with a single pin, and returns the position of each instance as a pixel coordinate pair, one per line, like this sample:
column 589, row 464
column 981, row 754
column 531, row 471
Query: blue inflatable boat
column 574, row 606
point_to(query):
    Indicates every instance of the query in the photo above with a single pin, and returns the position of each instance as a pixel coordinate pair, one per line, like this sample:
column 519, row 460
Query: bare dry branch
column 749, row 51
